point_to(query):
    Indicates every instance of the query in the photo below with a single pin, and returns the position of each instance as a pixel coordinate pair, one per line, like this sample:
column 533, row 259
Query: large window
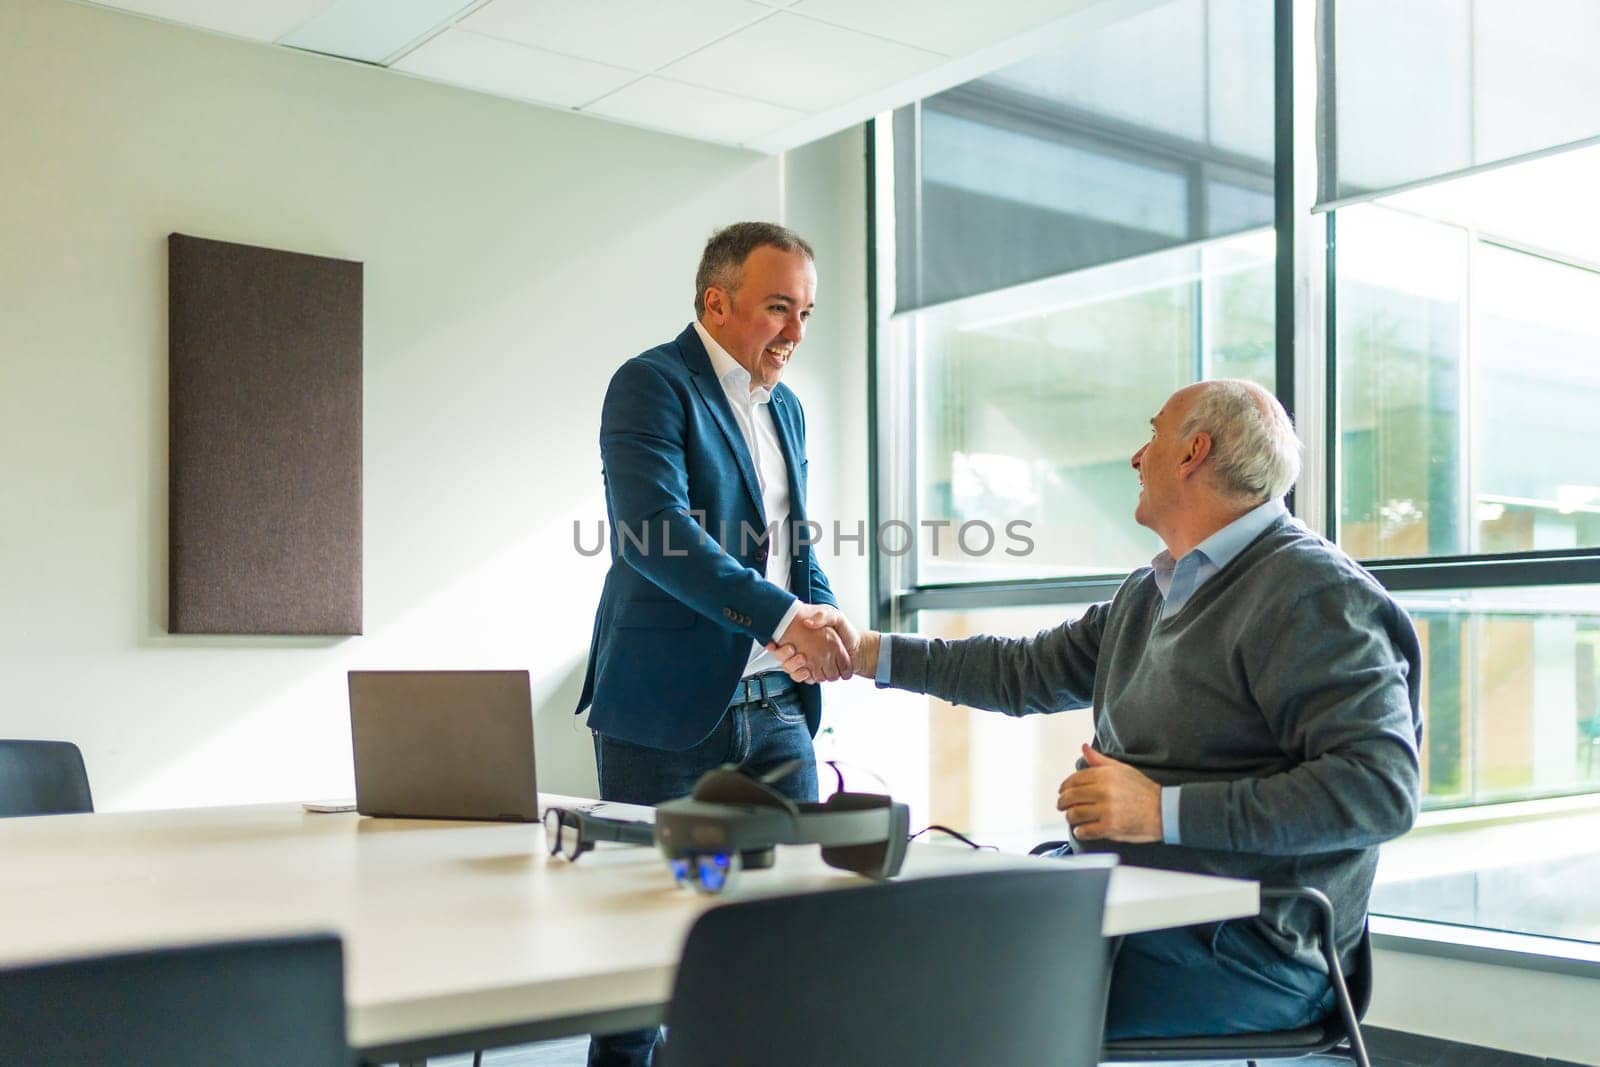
column 1469, row 360
column 1075, row 236
column 1144, row 133
column 1067, row 241
column 1032, row 400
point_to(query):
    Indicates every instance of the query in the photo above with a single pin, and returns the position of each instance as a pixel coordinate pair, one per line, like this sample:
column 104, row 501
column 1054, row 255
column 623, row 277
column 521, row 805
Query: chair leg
column 1358, row 1047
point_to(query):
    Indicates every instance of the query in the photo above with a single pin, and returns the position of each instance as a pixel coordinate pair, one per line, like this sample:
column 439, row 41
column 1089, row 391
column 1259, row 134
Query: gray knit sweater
column 1283, row 697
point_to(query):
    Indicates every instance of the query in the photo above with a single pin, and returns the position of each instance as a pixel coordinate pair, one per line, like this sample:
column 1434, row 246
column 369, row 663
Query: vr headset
column 733, row 821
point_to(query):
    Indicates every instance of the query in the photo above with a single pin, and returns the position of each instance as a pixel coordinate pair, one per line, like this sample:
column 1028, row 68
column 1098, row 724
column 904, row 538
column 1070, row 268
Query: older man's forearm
column 1050, row 672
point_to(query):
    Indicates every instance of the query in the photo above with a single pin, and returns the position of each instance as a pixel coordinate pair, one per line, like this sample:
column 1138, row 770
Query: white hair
column 1255, row 454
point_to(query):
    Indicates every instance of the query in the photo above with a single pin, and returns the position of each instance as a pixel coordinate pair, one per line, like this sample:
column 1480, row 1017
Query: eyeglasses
column 563, row 832
column 571, row 833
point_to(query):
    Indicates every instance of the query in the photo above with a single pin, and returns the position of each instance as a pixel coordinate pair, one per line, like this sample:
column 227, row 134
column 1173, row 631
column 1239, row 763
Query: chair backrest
column 260, row 1003
column 1359, row 980
column 996, row 967
column 42, row 778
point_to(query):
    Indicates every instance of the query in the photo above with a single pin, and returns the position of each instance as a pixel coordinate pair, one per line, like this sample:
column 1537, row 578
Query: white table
column 456, row 934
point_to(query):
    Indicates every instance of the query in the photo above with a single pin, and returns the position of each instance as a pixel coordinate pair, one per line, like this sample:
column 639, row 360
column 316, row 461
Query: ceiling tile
column 950, row 27
column 372, row 30
column 473, row 61
column 260, row 20
column 691, row 111
column 637, row 34
column 800, row 63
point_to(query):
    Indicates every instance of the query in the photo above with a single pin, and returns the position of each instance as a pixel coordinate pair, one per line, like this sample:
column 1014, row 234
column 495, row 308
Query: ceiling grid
column 761, row 74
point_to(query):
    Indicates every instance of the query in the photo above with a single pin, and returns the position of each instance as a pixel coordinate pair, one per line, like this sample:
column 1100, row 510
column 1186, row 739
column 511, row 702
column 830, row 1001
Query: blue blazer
column 686, row 592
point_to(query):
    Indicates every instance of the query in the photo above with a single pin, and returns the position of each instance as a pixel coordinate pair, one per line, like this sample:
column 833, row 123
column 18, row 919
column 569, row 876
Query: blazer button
column 761, row 557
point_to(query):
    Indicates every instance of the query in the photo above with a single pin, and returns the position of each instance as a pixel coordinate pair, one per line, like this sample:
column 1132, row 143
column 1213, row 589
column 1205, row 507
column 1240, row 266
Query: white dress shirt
column 752, row 411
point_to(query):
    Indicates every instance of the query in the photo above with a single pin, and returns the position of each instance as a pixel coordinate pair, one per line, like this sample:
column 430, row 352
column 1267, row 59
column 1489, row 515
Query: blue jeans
column 1212, row 979
column 757, row 736
column 1217, row 978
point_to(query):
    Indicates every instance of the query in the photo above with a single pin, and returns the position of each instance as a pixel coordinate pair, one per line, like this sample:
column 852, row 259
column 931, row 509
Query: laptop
column 443, row 745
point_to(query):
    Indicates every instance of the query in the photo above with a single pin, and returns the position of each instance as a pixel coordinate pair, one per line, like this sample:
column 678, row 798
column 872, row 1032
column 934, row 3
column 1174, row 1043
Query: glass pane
column 1142, row 132
column 1033, row 400
column 1509, row 693
column 1468, row 369
column 1231, row 208
column 993, row 774
column 1510, row 684
column 1538, row 351
column 1240, row 42
column 1004, row 206
column 1147, row 70
column 1401, row 306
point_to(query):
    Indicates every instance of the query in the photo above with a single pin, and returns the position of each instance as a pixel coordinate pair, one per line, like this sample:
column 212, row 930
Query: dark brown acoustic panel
column 265, row 440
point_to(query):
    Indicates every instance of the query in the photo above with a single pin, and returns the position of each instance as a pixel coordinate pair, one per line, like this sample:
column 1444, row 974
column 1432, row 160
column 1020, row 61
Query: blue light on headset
column 714, row 872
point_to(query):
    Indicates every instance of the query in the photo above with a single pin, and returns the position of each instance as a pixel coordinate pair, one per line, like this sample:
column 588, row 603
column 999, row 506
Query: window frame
column 899, row 606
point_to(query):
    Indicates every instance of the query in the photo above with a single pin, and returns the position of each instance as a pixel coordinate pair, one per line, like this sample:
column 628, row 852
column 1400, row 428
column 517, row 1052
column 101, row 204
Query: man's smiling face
column 762, row 321
column 1160, row 458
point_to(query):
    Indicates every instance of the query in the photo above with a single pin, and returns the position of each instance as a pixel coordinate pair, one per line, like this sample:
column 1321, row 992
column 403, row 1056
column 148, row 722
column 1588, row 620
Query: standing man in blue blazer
column 704, row 459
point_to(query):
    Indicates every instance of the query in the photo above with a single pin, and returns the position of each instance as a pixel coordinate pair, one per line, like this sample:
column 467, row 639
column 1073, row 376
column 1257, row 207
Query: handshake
column 820, row 645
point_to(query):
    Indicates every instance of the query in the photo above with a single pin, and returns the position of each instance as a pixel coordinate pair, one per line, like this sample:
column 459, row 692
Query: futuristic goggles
column 732, row 821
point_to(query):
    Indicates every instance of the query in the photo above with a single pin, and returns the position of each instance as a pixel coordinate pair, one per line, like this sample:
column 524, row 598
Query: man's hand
column 1111, row 801
column 818, row 622
column 819, row 645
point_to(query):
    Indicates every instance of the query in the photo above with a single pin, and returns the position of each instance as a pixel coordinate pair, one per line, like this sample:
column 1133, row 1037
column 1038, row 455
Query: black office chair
column 1340, row 1034
column 260, row 1003
column 995, row 967
column 42, row 778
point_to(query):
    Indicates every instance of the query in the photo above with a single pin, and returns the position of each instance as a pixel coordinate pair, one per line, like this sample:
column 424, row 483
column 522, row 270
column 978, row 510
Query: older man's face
column 1158, row 461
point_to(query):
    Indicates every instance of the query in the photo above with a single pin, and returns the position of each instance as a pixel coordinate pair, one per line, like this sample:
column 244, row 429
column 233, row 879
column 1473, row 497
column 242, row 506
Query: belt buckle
column 753, row 690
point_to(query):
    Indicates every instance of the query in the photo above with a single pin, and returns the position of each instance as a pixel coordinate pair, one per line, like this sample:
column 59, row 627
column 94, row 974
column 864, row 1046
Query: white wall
column 514, row 257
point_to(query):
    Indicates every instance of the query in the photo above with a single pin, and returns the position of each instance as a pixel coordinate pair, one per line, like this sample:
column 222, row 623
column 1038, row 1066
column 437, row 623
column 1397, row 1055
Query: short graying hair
column 729, row 247
column 1255, row 454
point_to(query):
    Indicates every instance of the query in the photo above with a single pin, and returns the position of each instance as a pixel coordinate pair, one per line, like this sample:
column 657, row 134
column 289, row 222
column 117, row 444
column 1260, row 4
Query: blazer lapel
column 788, row 437
column 705, row 380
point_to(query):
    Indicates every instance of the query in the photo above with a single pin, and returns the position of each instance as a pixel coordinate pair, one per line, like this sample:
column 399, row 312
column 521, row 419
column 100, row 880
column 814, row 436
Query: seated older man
column 1256, row 715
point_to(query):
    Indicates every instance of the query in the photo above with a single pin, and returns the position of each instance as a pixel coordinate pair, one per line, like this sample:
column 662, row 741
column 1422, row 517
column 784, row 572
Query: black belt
column 759, row 687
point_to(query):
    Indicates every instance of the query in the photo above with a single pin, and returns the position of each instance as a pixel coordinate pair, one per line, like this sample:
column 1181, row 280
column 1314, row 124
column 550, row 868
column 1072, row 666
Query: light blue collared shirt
column 1178, row 581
